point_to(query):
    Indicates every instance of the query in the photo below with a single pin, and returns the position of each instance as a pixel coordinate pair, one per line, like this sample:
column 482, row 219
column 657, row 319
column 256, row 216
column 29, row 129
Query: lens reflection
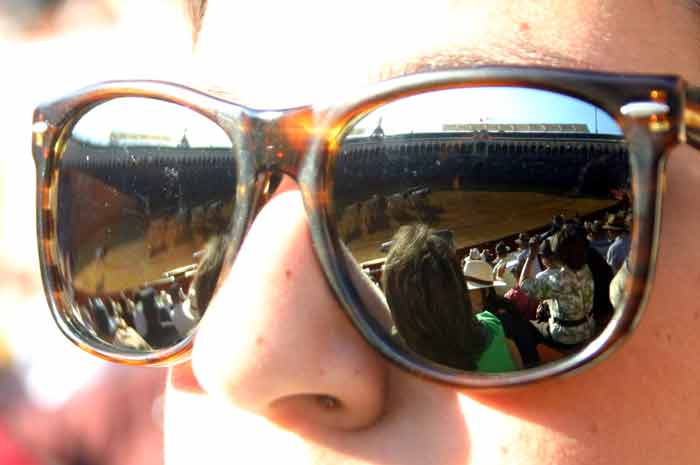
column 442, row 197
column 144, row 186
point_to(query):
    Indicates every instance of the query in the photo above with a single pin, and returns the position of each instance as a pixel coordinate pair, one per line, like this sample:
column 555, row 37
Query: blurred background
column 58, row 405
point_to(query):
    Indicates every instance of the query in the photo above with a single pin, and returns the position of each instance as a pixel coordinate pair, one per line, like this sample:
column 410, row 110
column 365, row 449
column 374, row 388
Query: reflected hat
column 522, row 239
column 478, row 274
column 501, row 248
column 616, row 222
column 474, row 254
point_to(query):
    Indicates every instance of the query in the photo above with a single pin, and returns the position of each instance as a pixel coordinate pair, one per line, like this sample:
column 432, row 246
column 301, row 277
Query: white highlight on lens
column 40, row 127
column 644, row 109
column 269, row 115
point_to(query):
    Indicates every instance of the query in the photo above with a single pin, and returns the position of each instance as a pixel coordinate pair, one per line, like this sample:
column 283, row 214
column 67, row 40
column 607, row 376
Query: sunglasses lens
column 143, row 186
column 437, row 197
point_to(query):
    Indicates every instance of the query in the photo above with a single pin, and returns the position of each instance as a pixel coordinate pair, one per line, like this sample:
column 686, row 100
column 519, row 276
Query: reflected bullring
column 485, row 186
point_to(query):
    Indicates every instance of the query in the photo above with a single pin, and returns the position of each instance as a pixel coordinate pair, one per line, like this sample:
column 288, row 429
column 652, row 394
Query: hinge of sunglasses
column 39, row 129
column 655, row 112
column 692, row 117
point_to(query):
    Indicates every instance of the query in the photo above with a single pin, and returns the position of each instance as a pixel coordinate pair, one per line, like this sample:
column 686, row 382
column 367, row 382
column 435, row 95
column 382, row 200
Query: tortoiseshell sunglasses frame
column 304, row 142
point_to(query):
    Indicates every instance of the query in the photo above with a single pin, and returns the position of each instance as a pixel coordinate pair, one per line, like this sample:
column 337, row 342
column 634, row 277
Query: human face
column 277, row 372
column 476, row 297
column 546, row 262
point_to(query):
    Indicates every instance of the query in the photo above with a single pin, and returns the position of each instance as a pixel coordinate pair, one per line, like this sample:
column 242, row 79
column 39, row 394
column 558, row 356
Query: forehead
column 273, row 54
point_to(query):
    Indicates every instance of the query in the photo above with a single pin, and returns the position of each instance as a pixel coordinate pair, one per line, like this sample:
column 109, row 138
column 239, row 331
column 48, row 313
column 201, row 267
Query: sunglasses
column 146, row 190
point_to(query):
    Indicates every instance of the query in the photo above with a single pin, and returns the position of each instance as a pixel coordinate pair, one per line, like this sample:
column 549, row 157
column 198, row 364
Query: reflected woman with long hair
column 426, row 293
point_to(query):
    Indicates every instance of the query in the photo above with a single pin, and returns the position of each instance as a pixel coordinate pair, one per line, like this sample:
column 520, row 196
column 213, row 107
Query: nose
column 274, row 340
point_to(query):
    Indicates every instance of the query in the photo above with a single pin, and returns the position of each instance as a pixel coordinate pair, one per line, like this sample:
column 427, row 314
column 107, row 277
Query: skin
column 477, row 300
column 274, row 337
column 529, row 266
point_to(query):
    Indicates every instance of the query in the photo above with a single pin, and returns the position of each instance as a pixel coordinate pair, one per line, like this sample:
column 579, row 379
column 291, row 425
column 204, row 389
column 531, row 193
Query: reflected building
column 469, row 177
column 132, row 203
column 509, row 156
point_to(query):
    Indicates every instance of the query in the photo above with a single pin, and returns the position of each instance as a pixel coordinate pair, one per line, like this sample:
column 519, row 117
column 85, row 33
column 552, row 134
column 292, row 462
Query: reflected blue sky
column 434, row 111
column 147, row 122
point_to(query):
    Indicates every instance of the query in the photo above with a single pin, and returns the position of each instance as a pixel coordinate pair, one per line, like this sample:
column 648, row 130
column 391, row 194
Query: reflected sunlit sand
column 478, row 217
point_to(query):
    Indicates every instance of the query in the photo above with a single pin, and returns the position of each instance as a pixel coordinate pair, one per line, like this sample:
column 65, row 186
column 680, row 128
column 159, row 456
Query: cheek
column 673, row 310
column 644, row 394
column 637, row 41
column 202, row 429
column 499, row 437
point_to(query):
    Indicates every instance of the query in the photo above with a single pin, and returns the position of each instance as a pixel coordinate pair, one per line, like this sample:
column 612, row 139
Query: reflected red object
column 11, row 452
column 115, row 421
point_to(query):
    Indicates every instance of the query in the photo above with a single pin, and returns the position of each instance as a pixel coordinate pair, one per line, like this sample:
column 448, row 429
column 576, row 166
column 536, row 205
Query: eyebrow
column 451, row 58
column 441, row 60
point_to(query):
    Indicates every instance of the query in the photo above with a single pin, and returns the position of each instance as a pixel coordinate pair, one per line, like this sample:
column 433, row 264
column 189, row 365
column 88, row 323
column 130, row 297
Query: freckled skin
column 259, row 403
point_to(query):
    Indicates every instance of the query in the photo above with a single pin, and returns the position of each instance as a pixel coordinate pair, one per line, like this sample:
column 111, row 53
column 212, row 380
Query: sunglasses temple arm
column 692, row 116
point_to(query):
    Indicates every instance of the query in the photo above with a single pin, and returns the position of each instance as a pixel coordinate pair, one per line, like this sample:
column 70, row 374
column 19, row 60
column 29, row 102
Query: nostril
column 274, row 341
column 328, row 402
column 304, row 411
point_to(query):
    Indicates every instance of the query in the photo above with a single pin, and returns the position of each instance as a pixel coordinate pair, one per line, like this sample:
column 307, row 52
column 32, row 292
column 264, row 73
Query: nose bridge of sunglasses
column 279, row 140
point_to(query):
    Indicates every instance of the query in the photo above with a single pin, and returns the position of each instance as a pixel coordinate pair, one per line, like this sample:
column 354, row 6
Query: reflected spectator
column 617, row 227
column 598, row 239
column 522, row 253
column 484, row 296
column 501, row 271
column 158, row 332
column 127, row 336
column 426, row 293
column 105, row 326
column 566, row 284
column 602, row 275
column 487, row 256
column 522, row 242
column 183, row 317
column 617, row 285
column 474, row 256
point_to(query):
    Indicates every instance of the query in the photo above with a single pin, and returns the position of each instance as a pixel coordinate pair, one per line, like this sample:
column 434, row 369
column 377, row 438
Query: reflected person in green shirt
column 427, row 295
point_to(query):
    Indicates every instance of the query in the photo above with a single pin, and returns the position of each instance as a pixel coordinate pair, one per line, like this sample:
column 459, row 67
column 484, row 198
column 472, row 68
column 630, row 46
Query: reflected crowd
column 158, row 315
column 510, row 306
column 495, row 246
